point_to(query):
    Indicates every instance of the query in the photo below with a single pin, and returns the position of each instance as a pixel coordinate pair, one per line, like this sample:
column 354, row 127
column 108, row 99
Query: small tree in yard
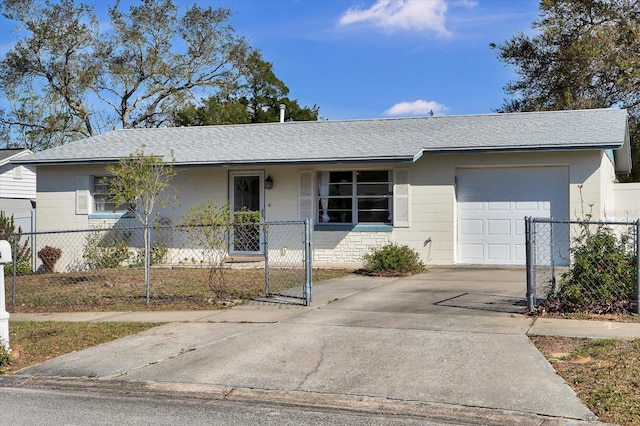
column 142, row 182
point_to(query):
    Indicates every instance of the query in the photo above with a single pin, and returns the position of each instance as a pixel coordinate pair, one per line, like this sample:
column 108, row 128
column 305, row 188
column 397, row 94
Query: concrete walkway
column 449, row 344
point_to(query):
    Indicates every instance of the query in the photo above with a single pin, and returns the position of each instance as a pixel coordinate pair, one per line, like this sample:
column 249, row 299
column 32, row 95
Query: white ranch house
column 454, row 188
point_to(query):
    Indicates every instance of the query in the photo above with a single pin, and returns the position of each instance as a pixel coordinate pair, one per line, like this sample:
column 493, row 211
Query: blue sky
column 379, row 58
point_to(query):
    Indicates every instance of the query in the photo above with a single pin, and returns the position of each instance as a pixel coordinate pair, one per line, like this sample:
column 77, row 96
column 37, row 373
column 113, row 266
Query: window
column 352, row 197
column 101, row 200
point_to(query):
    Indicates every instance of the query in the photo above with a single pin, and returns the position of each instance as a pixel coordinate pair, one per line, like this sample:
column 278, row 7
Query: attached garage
column 492, row 204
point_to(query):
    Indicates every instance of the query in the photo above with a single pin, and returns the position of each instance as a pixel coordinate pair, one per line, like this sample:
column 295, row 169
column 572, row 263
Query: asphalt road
column 50, row 407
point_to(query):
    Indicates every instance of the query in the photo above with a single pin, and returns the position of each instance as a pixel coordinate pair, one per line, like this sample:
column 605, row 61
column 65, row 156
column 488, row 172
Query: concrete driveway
column 450, row 336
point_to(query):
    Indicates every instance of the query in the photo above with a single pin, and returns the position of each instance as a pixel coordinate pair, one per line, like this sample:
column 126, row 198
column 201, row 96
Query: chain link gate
column 589, row 266
column 288, row 260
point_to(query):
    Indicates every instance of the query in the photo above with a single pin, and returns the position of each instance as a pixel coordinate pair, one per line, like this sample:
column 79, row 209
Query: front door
column 247, row 201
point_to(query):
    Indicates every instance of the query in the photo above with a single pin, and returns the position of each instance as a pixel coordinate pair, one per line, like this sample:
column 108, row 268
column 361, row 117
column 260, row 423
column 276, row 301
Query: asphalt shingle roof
column 398, row 139
column 9, row 152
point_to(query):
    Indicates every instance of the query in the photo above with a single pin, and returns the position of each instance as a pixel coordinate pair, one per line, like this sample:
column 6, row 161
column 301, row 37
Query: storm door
column 246, row 194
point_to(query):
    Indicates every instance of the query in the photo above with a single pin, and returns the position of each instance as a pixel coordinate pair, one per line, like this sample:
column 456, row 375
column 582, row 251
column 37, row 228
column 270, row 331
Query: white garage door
column 492, row 204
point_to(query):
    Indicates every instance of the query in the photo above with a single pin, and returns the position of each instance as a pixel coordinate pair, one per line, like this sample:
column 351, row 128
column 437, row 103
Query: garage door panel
column 499, row 206
column 472, row 206
column 527, row 206
column 498, row 252
column 473, row 251
column 499, row 227
column 472, row 227
column 492, row 205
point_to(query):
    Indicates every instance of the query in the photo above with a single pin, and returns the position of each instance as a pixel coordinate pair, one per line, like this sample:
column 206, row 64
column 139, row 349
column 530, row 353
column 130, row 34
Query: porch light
column 268, row 182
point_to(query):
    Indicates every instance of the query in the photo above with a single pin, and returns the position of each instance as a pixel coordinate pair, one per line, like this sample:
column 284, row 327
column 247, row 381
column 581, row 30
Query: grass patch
column 171, row 289
column 35, row 342
column 605, row 374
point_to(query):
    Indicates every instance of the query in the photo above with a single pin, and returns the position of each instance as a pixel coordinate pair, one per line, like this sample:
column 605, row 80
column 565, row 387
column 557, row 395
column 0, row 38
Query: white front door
column 246, row 192
column 492, row 205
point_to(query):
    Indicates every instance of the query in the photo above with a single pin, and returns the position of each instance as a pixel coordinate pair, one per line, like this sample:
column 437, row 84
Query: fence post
column 265, row 243
column 14, row 268
column 638, row 266
column 147, row 262
column 531, row 296
column 34, row 260
column 308, row 254
column 554, row 286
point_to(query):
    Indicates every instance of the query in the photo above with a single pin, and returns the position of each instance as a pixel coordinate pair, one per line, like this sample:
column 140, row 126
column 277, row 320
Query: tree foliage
column 256, row 98
column 70, row 76
column 143, row 182
column 584, row 54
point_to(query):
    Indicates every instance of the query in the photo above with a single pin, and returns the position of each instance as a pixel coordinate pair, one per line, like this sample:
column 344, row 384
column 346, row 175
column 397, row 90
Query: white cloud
column 412, row 15
column 419, row 107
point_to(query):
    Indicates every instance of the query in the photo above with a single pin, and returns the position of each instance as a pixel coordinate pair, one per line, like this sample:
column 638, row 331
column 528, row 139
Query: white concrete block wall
column 433, row 199
column 335, row 247
column 626, row 205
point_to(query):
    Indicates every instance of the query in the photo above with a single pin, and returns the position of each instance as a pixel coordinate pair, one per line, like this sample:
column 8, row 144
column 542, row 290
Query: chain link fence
column 186, row 267
column 582, row 266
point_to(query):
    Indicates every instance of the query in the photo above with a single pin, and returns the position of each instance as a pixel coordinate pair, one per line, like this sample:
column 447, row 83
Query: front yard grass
column 35, row 342
column 605, row 374
column 171, row 289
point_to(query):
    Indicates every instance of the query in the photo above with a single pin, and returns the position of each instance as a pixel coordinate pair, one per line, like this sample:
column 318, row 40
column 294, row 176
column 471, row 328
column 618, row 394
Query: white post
column 5, row 257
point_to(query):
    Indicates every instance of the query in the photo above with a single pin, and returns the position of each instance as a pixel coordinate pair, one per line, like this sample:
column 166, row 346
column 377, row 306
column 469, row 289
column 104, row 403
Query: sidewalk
column 264, row 313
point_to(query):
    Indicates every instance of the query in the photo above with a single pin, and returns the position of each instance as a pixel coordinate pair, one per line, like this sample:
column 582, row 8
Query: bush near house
column 393, row 259
column 602, row 276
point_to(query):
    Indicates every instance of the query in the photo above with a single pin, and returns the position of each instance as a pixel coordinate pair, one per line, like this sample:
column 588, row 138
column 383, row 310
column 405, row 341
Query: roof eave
column 273, row 162
column 622, row 155
column 521, row 148
column 15, row 156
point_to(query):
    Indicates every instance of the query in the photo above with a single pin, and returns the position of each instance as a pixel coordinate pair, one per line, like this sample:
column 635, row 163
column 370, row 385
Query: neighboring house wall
column 17, row 187
column 17, row 182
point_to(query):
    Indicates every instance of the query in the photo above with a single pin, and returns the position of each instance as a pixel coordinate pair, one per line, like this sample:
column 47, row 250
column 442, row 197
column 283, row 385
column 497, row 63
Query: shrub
column 602, row 276
column 158, row 255
column 49, row 256
column 393, row 258
column 23, row 267
column 105, row 249
column 21, row 248
column 5, row 358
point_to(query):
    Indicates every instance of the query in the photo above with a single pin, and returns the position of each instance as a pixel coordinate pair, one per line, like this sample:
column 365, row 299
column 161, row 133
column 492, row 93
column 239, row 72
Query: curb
column 444, row 413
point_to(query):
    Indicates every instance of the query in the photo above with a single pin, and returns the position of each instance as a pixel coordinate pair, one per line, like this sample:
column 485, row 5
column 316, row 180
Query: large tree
column 66, row 78
column 584, row 54
column 255, row 98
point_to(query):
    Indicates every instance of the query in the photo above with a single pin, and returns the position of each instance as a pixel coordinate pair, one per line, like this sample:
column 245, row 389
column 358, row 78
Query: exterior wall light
column 268, row 182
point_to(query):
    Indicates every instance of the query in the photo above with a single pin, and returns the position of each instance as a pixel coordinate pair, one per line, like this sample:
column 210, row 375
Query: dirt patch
column 557, row 347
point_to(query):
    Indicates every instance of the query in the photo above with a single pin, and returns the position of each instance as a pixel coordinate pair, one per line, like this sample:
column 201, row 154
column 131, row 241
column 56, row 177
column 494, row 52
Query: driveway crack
column 316, row 368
